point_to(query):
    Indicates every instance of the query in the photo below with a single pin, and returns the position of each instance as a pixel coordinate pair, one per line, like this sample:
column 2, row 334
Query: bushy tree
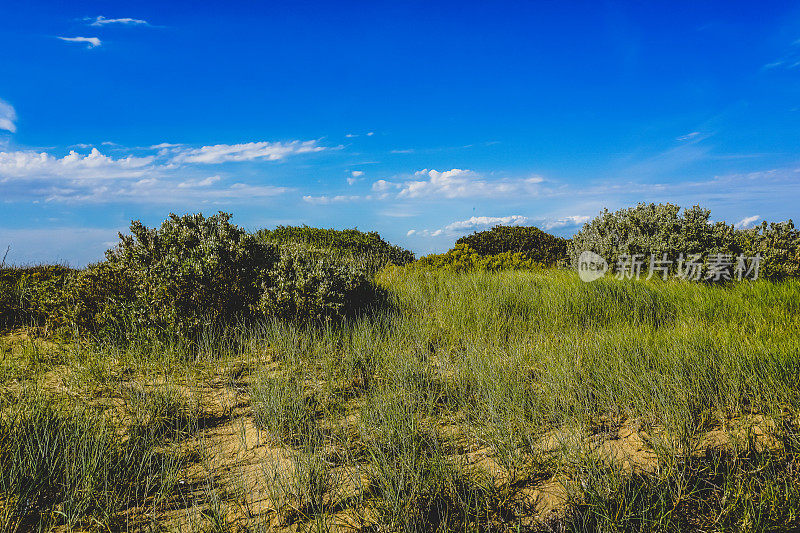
column 529, row 241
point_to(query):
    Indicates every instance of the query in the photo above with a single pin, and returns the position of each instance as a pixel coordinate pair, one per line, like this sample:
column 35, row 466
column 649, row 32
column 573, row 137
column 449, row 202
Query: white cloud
column 325, row 200
column 32, row 165
column 471, row 224
column 102, row 21
column 574, row 220
column 384, row 186
column 164, row 145
column 221, row 153
column 205, row 182
column 355, row 177
column 688, row 136
column 7, row 117
column 370, row 134
column 97, row 178
column 460, row 183
column 475, row 223
column 748, row 222
column 92, row 42
column 425, row 233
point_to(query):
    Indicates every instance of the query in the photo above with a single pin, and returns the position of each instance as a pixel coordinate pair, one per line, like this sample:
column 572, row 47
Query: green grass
column 447, row 411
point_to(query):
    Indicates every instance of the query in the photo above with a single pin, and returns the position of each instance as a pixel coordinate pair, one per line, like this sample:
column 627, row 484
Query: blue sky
column 421, row 120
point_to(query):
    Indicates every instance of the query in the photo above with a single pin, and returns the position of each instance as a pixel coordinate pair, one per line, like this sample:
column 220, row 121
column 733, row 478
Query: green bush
column 779, row 245
column 659, row 229
column 366, row 245
column 100, row 299
column 32, row 296
column 463, row 258
column 533, row 243
column 308, row 285
column 191, row 272
column 194, row 272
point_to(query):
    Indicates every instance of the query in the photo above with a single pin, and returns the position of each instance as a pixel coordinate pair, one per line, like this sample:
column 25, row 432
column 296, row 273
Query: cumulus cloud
column 32, row 165
column 8, row 117
column 748, row 222
column 102, row 21
column 98, row 178
column 461, row 183
column 92, row 42
column 384, row 186
column 357, row 173
column 221, row 153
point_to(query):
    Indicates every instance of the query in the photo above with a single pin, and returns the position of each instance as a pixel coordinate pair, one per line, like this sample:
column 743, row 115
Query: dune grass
column 476, row 402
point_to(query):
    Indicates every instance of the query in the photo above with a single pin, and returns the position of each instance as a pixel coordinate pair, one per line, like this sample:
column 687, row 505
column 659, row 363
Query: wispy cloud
column 459, row 183
column 748, row 222
column 92, row 42
column 475, row 223
column 103, row 21
column 790, row 60
column 8, row 117
column 574, row 220
column 222, row 153
column 461, row 227
column 689, row 136
column 325, row 200
column 205, row 182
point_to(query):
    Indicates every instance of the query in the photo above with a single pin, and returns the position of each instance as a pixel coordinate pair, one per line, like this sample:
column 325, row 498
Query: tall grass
column 450, row 408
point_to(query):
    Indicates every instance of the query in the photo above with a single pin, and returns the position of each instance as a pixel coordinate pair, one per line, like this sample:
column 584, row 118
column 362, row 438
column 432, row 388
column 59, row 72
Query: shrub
column 194, row 272
column 779, row 245
column 662, row 228
column 308, row 285
column 32, row 295
column 653, row 229
column 191, row 272
column 463, row 258
column 533, row 243
column 350, row 242
column 99, row 299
